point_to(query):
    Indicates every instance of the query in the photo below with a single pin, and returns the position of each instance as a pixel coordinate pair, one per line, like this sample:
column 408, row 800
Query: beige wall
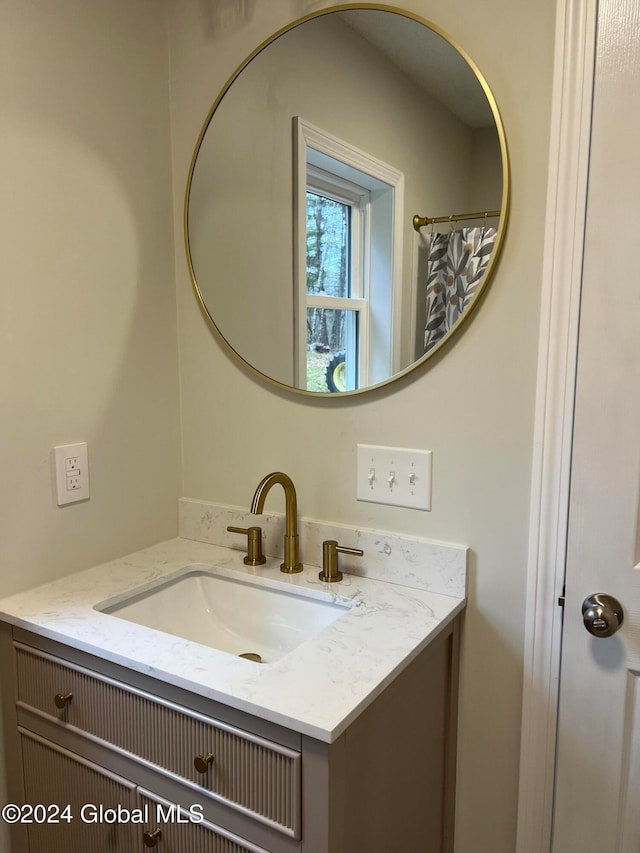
column 486, row 168
column 87, row 298
column 473, row 407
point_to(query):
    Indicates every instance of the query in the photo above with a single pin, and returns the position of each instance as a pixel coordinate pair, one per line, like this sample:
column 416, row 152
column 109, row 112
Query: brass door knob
column 203, row 762
column 62, row 699
column 150, row 839
column 602, row 614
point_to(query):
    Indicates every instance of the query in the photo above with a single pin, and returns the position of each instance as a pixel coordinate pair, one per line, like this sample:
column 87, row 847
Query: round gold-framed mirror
column 347, row 200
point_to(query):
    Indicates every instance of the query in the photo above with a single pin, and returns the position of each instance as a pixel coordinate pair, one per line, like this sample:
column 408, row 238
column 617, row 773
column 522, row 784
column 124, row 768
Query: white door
column 597, row 803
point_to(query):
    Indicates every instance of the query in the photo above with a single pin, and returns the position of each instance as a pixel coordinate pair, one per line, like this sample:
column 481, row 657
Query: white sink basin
column 229, row 614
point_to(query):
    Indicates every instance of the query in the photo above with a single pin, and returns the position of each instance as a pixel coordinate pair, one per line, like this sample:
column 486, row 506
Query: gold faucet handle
column 254, row 557
column 330, row 550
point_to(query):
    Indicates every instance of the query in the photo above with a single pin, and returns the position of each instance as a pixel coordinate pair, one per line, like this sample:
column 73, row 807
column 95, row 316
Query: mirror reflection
column 303, row 191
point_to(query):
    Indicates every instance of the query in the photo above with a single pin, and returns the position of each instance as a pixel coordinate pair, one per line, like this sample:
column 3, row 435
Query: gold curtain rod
column 419, row 221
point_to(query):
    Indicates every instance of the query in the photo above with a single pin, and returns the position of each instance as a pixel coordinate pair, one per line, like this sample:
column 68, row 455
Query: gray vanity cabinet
column 141, row 763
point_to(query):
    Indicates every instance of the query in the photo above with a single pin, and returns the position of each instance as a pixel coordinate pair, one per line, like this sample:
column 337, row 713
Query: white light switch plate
column 71, row 473
column 395, row 476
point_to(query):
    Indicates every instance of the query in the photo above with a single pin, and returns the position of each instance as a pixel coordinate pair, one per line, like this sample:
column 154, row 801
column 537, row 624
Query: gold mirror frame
column 503, row 217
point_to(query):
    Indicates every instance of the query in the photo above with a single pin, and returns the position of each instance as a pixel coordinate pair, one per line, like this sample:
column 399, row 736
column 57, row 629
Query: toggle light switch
column 405, row 476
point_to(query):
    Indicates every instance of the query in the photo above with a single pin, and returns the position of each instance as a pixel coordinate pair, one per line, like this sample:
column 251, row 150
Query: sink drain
column 254, row 656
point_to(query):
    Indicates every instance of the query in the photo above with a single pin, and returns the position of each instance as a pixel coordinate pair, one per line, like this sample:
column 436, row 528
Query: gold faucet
column 291, row 563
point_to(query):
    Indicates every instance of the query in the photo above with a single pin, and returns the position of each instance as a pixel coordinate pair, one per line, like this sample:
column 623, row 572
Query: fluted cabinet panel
column 191, row 837
column 55, row 777
column 247, row 772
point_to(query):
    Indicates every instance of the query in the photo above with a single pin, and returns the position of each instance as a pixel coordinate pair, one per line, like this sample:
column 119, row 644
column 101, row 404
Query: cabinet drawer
column 177, row 834
column 246, row 772
column 55, row 777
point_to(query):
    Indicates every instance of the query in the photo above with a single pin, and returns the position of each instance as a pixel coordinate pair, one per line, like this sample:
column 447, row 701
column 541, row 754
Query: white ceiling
column 428, row 59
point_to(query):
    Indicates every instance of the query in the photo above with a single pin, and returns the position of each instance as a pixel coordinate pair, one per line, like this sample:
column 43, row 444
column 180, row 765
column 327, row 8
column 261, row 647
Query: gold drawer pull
column 61, row 699
column 151, row 838
column 202, row 762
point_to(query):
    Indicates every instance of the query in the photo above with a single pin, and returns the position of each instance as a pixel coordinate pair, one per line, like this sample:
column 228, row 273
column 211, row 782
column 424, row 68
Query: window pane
column 332, row 349
column 328, row 240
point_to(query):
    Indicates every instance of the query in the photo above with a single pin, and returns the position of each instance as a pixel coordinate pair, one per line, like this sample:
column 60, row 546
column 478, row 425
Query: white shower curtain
column 457, row 261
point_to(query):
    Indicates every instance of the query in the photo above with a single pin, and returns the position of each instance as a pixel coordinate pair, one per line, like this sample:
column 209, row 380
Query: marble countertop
column 317, row 689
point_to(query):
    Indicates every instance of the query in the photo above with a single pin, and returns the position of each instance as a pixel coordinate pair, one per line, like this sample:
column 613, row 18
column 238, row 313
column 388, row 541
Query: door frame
column 557, row 362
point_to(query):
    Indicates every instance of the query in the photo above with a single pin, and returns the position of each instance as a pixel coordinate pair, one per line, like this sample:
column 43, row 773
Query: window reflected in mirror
column 351, row 222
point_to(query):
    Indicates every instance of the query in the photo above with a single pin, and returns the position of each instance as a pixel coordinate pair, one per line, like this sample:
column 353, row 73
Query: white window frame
column 358, row 199
column 311, row 142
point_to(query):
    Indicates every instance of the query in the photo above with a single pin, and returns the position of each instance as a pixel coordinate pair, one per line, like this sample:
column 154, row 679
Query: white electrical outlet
column 71, row 463
column 71, row 473
column 394, row 475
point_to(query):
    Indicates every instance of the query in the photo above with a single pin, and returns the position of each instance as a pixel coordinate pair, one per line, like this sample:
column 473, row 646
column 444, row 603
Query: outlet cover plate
column 71, row 468
column 395, row 476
